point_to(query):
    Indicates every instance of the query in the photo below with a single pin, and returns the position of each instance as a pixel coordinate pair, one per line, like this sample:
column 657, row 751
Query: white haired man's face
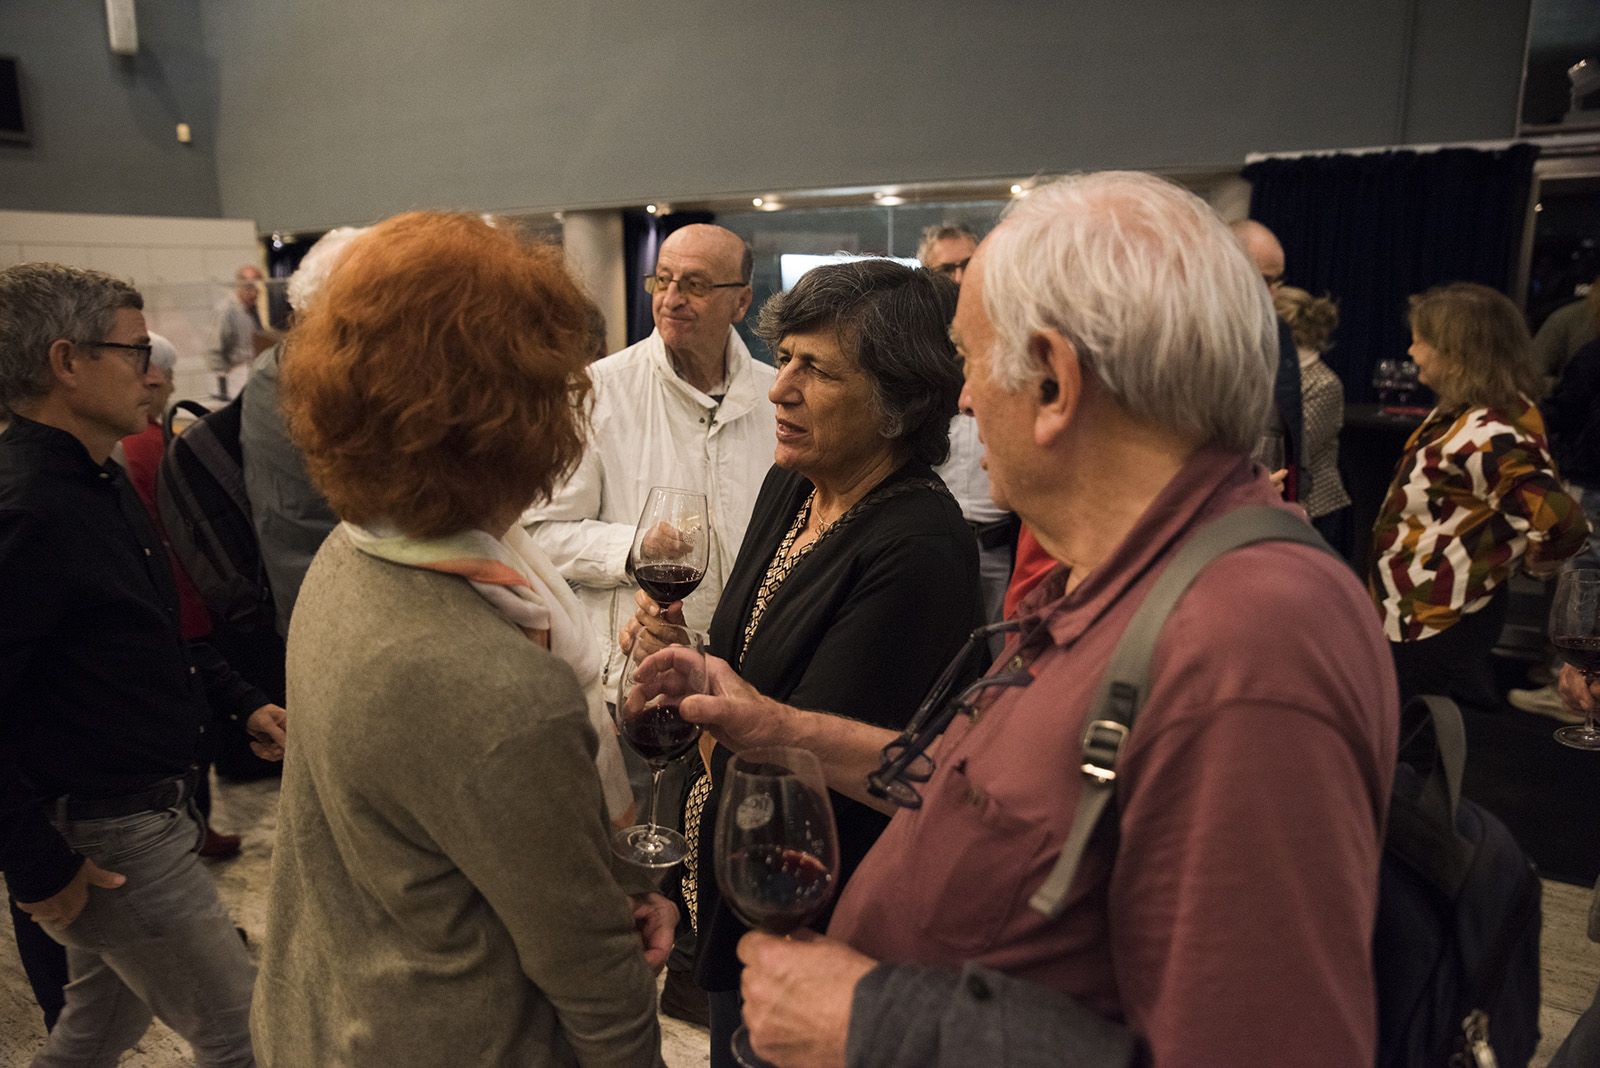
column 1005, row 417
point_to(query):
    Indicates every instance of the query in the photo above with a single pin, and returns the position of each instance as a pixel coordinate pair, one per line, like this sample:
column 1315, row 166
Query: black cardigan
column 861, row 628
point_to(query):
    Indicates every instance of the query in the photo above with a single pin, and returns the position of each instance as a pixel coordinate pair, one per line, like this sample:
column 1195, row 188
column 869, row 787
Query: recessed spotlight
column 756, row 201
column 890, row 199
column 651, row 208
column 1016, row 189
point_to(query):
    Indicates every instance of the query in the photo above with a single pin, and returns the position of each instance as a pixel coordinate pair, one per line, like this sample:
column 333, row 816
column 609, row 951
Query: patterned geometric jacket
column 1475, row 493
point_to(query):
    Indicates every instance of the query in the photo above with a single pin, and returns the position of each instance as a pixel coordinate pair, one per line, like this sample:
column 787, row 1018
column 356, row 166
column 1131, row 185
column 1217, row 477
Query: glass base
column 649, row 847
column 1579, row 737
column 744, row 1053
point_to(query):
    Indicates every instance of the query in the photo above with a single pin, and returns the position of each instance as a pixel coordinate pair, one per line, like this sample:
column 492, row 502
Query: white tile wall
column 184, row 267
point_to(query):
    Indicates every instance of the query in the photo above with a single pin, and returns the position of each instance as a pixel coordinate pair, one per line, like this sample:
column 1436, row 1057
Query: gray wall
column 328, row 113
column 104, row 125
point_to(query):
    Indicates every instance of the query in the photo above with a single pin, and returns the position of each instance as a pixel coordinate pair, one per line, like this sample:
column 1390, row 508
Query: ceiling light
column 651, row 208
column 756, row 201
column 1016, row 189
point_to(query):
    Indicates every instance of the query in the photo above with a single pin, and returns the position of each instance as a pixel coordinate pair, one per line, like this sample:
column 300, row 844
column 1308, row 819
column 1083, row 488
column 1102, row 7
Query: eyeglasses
column 689, row 287
column 143, row 360
column 905, row 760
column 949, row 269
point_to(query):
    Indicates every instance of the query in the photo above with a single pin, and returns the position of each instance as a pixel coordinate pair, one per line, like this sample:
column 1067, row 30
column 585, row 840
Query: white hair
column 163, row 353
column 318, row 263
column 1151, row 289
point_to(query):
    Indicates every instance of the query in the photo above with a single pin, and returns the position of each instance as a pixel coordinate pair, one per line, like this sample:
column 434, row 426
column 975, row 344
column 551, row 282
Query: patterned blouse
column 1474, row 492
column 1322, row 405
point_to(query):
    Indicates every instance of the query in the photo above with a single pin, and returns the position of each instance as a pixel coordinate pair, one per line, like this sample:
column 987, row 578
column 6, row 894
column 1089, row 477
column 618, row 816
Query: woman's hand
column 648, row 625
column 1578, row 695
column 656, row 919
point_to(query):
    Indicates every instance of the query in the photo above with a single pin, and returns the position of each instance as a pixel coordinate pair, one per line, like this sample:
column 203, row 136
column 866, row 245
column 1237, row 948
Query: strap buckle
column 1102, row 744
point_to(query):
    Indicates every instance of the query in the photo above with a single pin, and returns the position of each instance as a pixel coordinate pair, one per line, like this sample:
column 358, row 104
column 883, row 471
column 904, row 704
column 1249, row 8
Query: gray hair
column 318, row 263
column 45, row 302
column 932, row 235
column 895, row 320
column 1152, row 290
column 163, row 354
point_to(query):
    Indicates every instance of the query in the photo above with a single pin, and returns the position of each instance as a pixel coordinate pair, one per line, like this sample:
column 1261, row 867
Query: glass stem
column 655, row 793
column 1588, row 688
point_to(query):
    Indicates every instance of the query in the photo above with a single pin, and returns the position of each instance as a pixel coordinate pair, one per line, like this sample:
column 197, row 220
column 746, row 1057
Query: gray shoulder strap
column 1126, row 680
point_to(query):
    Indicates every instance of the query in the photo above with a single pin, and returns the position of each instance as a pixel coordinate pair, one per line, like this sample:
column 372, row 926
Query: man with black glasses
column 1119, row 352
column 102, row 703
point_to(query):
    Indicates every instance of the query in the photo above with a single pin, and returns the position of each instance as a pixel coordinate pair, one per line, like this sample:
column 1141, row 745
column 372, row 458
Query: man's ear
column 65, row 361
column 1060, row 388
column 746, row 296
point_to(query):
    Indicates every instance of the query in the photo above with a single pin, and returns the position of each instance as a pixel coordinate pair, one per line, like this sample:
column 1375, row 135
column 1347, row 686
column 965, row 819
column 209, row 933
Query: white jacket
column 648, row 427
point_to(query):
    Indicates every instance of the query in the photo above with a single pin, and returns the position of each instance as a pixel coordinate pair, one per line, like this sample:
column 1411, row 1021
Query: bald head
column 1261, row 245
column 713, row 244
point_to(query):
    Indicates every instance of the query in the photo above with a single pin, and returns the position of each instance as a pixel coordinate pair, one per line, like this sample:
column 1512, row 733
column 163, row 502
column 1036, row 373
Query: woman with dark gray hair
column 854, row 547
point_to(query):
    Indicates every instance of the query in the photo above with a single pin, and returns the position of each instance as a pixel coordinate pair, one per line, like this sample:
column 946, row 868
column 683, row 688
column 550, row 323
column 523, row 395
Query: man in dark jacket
column 102, row 702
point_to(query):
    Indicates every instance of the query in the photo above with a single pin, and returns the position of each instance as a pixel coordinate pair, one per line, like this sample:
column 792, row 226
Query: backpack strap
column 1126, row 681
column 194, row 408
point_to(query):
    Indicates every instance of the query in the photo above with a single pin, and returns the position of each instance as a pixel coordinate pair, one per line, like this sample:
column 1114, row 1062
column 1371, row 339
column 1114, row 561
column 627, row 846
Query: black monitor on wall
column 13, row 126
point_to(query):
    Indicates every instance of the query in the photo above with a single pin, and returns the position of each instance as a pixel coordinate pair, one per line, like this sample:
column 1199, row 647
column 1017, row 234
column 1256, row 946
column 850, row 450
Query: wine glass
column 671, row 544
column 777, row 850
column 646, row 715
column 1575, row 631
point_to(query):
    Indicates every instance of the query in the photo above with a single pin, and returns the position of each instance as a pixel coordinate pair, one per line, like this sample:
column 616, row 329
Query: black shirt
column 99, row 695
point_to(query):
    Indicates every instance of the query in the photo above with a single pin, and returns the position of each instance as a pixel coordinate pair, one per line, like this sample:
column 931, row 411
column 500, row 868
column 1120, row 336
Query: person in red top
column 1119, row 353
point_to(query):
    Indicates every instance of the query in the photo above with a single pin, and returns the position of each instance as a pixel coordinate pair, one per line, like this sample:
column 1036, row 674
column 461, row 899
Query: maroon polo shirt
column 1232, row 922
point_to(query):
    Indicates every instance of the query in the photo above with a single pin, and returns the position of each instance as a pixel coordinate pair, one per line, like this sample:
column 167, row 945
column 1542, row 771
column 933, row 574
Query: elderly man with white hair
column 1119, row 352
column 290, row 516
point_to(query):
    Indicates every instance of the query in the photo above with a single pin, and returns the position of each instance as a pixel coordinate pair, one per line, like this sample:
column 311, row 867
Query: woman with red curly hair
column 441, row 889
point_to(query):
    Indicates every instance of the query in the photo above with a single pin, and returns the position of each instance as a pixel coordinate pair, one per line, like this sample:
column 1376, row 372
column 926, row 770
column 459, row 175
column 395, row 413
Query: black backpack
column 201, row 499
column 1456, row 946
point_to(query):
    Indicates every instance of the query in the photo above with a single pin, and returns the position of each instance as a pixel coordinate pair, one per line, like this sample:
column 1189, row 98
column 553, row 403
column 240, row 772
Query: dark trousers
column 45, row 962
column 1455, row 662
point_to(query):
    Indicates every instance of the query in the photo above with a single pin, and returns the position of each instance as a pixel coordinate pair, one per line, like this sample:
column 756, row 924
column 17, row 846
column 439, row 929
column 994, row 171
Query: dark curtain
column 1373, row 229
column 642, row 234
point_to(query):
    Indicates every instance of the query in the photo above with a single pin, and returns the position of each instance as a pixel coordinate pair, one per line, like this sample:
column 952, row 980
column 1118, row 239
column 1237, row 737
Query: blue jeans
column 161, row 944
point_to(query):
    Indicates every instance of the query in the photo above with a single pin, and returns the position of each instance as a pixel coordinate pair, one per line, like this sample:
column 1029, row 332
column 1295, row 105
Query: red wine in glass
column 777, row 889
column 649, row 690
column 671, row 544
column 777, row 850
column 659, row 734
column 1575, row 630
column 668, row 582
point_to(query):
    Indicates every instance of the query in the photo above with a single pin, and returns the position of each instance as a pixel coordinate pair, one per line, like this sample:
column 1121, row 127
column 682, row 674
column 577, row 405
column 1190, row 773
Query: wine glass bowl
column 1575, row 632
column 649, row 690
column 671, row 544
column 777, row 848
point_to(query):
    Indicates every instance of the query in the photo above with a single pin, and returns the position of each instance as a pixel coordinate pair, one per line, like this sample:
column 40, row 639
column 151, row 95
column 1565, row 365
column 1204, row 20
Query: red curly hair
column 437, row 382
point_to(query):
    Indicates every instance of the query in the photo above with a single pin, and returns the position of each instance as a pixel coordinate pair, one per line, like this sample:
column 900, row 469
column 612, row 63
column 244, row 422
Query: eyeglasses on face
column 905, row 760
column 689, row 287
column 141, row 361
column 950, row 270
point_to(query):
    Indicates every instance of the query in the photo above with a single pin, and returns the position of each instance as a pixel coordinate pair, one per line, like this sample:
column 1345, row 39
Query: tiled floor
column 1571, row 963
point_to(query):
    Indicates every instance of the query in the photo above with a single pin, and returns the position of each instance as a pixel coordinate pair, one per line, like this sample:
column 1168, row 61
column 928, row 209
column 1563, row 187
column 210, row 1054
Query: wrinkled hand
column 1577, row 694
column 665, row 542
column 1280, row 480
column 797, row 993
column 60, row 910
column 731, row 710
column 657, row 921
column 268, row 727
column 648, row 625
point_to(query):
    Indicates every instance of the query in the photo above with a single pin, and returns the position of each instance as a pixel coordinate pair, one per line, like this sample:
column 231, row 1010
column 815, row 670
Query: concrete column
column 593, row 241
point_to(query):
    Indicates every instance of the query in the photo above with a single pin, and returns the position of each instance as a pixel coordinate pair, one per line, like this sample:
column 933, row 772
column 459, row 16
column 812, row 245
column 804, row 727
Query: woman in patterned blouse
column 1475, row 496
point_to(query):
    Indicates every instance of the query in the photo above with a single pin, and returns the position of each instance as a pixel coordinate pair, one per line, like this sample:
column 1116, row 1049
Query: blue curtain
column 642, row 234
column 1373, row 229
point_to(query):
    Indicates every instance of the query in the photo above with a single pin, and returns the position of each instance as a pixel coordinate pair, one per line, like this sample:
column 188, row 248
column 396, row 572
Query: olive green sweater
column 442, row 891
